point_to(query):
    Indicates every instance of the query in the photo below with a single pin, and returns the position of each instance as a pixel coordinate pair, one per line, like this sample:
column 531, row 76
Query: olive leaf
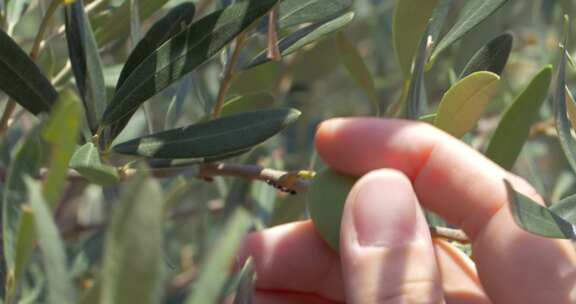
column 474, row 12
column 536, row 218
column 513, row 129
column 223, row 136
column 85, row 62
column 86, row 160
column 175, row 21
column 21, row 79
column 464, row 103
column 492, row 57
column 183, row 53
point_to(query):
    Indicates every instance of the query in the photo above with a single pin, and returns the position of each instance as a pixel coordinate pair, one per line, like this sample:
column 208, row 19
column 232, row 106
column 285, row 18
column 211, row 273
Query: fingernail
column 384, row 210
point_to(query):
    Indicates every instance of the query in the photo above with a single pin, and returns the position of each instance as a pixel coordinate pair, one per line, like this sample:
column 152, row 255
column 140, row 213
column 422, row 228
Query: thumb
column 386, row 249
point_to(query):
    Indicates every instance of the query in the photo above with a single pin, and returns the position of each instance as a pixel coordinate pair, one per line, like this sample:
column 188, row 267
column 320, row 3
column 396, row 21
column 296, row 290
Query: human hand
column 386, row 252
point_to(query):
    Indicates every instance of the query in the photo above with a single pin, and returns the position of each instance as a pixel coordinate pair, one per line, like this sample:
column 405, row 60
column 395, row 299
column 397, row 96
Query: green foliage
column 224, row 136
column 86, row 65
column 463, row 105
column 148, row 158
column 22, row 80
column 514, row 127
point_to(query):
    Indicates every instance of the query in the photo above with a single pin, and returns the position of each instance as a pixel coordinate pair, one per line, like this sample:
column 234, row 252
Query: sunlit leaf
column 216, row 268
column 357, row 69
column 221, row 136
column 410, row 20
column 514, row 127
column 132, row 266
column 492, row 57
column 474, row 12
column 25, row 241
column 85, row 61
column 294, row 12
column 182, row 54
column 22, row 80
column 86, row 160
column 59, row 285
column 61, row 133
column 536, row 218
column 464, row 103
column 303, row 37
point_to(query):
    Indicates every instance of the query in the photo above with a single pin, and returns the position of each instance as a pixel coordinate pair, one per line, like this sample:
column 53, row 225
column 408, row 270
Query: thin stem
column 273, row 52
column 228, row 76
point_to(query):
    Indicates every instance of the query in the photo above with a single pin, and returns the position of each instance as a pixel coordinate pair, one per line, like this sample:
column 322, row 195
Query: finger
column 460, row 280
column 293, row 257
column 386, row 249
column 280, row 297
column 461, row 185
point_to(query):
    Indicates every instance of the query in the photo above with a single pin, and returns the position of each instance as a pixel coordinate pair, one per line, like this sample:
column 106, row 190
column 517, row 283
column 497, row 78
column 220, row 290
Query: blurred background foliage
column 175, row 237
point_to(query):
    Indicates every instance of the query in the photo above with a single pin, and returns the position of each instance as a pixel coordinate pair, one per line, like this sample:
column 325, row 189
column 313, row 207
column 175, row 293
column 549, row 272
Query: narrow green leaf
column 26, row 161
column 132, row 266
column 174, row 111
column 294, row 12
column 563, row 125
column 566, row 209
column 537, row 219
column 182, row 54
column 60, row 290
column 86, row 64
column 226, row 135
column 472, row 15
column 116, row 24
column 492, row 57
column 416, row 94
column 22, row 80
column 464, row 103
column 247, row 103
column 86, row 160
column 61, row 133
column 25, row 241
column 303, row 37
column 410, row 20
column 216, row 268
column 176, row 20
column 357, row 69
column 514, row 127
column 245, row 288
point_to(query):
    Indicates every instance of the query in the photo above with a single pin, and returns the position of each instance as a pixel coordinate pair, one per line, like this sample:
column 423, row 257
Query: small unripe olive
column 326, row 197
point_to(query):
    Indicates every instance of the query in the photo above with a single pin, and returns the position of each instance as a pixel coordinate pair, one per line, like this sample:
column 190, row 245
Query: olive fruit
column 326, row 197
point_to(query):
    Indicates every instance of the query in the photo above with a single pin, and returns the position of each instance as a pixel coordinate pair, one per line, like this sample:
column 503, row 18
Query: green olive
column 326, row 197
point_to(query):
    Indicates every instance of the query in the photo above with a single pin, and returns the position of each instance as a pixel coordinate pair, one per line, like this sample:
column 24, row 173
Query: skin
column 386, row 252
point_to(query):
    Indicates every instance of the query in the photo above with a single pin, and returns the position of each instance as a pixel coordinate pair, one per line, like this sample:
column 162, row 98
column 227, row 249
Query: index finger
column 466, row 189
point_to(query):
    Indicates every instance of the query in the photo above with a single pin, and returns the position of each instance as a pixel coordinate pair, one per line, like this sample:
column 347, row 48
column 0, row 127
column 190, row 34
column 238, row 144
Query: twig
column 273, row 52
column 228, row 76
